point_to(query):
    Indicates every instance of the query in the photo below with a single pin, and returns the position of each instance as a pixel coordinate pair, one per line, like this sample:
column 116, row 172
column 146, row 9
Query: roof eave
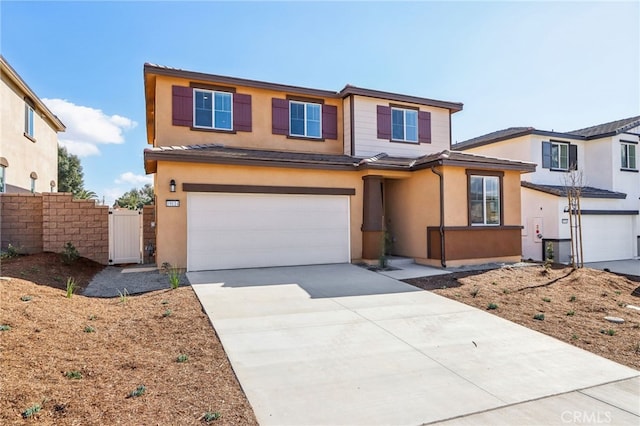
column 453, row 107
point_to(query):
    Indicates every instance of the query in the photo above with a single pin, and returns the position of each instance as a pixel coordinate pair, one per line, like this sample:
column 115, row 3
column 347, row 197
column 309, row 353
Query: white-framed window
column 305, row 119
column 559, row 156
column 484, row 200
column 28, row 120
column 212, row 110
column 404, row 125
column 3, row 179
column 628, row 156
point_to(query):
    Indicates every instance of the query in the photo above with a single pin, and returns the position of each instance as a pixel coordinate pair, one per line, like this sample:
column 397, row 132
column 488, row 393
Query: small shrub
column 174, row 277
column 622, row 304
column 571, row 313
column 124, row 297
column 618, row 292
column 26, row 298
column 92, row 317
column 610, row 332
column 546, row 299
column 89, row 329
column 572, row 299
column 73, row 374
column 506, row 291
column 71, row 287
column 182, row 358
column 209, row 416
column 165, row 302
column 10, row 252
column 494, row 283
column 5, row 327
column 69, row 253
column 167, row 313
column 539, row 317
column 29, row 412
column 492, row 306
column 574, row 337
column 139, row 391
column 475, row 292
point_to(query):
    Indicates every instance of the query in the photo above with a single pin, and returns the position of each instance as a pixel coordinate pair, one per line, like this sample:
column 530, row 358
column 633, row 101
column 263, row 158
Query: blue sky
column 550, row 65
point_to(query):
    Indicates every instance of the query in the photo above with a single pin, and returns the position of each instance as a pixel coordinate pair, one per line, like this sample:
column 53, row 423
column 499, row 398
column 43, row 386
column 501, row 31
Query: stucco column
column 372, row 217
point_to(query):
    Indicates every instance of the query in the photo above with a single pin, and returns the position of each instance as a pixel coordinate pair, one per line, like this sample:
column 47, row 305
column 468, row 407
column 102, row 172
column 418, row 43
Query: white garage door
column 607, row 237
column 226, row 231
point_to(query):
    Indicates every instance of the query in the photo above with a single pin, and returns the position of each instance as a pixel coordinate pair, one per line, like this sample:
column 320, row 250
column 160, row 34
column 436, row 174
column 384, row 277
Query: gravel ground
column 113, row 280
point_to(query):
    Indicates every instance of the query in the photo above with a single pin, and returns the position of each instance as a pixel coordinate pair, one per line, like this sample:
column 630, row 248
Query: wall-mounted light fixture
column 172, row 185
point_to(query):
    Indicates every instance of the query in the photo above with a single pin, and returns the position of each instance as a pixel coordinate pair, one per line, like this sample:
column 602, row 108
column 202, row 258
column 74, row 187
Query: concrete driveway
column 628, row 267
column 337, row 344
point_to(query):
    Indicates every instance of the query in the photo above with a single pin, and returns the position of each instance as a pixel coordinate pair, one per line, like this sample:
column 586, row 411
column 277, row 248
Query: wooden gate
column 125, row 236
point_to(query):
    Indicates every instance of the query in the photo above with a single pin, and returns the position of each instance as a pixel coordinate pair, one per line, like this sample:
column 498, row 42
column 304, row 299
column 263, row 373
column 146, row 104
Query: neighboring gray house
column 605, row 155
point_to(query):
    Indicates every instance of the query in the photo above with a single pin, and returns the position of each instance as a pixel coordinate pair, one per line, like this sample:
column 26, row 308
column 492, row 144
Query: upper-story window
column 3, row 178
column 628, row 156
column 305, row 119
column 404, row 125
column 559, row 156
column 484, row 200
column 212, row 110
column 29, row 129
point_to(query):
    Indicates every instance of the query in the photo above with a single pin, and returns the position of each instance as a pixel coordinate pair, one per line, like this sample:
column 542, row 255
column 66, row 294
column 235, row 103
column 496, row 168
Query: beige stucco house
column 604, row 158
column 254, row 174
column 28, row 137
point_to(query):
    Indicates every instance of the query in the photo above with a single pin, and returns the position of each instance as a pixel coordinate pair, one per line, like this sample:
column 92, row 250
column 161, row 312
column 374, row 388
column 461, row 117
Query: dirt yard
column 568, row 305
column 80, row 360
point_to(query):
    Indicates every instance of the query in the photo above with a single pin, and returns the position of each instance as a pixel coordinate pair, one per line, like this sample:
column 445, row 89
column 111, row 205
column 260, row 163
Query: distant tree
column 70, row 175
column 136, row 198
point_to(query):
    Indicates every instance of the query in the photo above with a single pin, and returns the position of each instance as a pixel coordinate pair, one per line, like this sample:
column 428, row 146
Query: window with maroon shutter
column 182, row 106
column 329, row 122
column 424, row 127
column 279, row 116
column 241, row 112
column 384, row 122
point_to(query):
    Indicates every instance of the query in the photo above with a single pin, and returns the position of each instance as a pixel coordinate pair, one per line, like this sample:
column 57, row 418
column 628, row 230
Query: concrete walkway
column 628, row 267
column 337, row 344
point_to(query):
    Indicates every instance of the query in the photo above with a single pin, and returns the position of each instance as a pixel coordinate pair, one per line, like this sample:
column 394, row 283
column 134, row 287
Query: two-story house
column 254, row 174
column 28, row 137
column 603, row 158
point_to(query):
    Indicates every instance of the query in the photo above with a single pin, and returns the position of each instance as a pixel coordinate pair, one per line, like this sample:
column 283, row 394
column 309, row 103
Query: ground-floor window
column 484, row 199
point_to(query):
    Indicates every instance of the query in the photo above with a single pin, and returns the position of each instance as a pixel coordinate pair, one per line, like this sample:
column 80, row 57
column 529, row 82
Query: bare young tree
column 573, row 183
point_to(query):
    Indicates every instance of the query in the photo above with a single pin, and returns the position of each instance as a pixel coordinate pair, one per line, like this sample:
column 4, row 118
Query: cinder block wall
column 81, row 222
column 149, row 232
column 21, row 222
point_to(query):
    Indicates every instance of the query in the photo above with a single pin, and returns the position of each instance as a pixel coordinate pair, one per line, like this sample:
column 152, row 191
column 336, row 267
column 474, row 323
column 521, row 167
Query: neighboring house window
column 3, row 178
column 404, row 125
column 484, row 200
column 28, row 120
column 212, row 110
column 560, row 156
column 628, row 156
column 305, row 119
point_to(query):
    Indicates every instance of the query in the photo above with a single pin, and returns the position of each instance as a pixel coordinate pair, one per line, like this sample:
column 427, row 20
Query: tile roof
column 227, row 155
column 613, row 127
column 496, row 136
column 585, row 191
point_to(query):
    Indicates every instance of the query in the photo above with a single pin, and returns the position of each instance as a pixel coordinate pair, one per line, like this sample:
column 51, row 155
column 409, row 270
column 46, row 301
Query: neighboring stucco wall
column 366, row 131
column 172, row 221
column 24, row 155
column 259, row 138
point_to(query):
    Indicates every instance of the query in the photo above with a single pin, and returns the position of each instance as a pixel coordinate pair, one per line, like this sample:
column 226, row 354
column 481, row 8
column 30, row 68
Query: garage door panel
column 607, row 237
column 253, row 230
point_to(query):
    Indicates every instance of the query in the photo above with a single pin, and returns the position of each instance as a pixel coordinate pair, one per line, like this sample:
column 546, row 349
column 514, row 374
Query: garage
column 607, row 237
column 232, row 230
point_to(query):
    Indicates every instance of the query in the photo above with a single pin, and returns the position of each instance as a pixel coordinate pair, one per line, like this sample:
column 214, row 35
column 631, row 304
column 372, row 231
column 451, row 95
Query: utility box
column 561, row 249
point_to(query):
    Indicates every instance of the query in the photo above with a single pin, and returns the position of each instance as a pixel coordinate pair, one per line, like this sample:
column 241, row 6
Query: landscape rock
column 614, row 320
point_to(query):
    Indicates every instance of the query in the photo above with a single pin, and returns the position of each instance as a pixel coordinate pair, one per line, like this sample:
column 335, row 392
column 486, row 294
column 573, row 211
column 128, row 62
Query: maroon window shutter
column 424, row 127
column 329, row 122
column 384, row 122
column 280, row 116
column 182, row 111
column 241, row 112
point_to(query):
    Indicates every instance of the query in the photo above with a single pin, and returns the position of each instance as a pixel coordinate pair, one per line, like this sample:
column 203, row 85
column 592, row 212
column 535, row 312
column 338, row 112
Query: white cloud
column 130, row 177
column 111, row 194
column 87, row 127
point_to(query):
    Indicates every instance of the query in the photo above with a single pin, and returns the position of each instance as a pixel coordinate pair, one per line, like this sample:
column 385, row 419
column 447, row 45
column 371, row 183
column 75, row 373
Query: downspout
column 443, row 260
